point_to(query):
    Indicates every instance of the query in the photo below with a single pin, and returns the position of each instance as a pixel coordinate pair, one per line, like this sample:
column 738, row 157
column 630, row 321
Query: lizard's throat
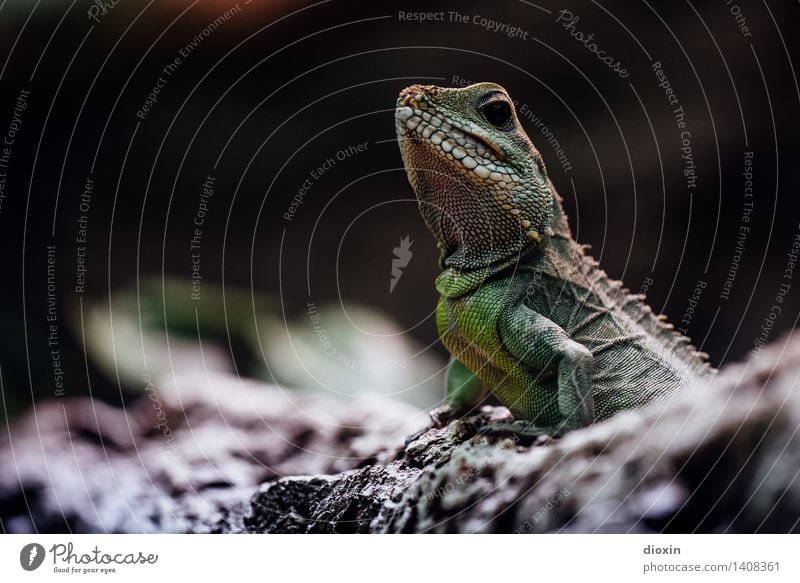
column 488, row 246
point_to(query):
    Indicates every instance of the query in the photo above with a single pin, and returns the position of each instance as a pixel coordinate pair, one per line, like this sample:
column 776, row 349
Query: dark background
column 279, row 87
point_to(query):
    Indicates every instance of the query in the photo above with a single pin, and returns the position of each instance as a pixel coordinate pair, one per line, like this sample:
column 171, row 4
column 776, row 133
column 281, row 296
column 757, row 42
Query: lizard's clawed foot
column 526, row 431
column 444, row 414
column 440, row 417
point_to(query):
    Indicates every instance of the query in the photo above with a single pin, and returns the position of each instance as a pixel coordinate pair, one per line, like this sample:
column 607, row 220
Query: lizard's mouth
column 418, row 119
column 487, row 141
column 416, row 100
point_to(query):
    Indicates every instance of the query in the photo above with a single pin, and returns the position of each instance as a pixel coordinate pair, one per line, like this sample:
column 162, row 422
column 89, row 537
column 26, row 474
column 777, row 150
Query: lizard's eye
column 497, row 113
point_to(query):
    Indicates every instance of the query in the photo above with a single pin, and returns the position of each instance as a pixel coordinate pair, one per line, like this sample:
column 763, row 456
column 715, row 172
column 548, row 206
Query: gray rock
column 722, row 459
column 246, row 457
column 186, row 457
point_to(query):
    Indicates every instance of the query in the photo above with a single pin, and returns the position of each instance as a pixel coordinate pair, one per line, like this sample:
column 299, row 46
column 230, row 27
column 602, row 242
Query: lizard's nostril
column 409, row 96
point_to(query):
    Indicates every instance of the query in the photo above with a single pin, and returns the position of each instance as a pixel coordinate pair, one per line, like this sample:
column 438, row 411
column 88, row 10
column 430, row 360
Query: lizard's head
column 481, row 184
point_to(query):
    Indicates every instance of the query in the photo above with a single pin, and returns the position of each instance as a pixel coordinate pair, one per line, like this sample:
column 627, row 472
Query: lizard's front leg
column 542, row 345
column 463, row 390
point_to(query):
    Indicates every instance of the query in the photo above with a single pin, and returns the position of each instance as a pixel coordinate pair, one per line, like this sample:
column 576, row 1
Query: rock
column 723, row 459
column 718, row 459
column 187, row 457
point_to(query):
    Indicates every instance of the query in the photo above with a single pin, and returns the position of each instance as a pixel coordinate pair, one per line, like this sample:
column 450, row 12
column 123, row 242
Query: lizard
column 524, row 311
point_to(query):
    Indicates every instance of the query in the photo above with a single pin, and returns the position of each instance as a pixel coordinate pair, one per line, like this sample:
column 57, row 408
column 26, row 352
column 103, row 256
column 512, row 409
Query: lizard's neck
column 454, row 282
column 461, row 274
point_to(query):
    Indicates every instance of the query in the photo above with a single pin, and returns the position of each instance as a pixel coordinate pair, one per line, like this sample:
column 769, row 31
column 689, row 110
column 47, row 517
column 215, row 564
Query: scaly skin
column 524, row 312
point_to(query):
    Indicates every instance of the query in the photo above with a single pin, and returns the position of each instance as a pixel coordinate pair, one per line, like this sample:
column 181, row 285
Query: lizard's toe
column 524, row 431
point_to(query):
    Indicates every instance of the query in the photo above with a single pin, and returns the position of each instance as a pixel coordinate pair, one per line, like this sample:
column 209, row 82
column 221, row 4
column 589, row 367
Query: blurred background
column 216, row 185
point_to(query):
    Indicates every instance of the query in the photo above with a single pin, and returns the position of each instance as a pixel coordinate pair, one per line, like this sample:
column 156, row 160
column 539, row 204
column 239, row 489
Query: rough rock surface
column 186, row 457
column 721, row 459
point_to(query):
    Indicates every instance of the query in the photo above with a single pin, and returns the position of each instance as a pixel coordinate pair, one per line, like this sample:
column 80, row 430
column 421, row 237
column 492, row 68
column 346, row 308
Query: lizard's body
column 523, row 311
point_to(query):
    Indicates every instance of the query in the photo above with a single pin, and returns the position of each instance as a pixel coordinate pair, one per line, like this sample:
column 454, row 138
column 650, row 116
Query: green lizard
column 524, row 312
